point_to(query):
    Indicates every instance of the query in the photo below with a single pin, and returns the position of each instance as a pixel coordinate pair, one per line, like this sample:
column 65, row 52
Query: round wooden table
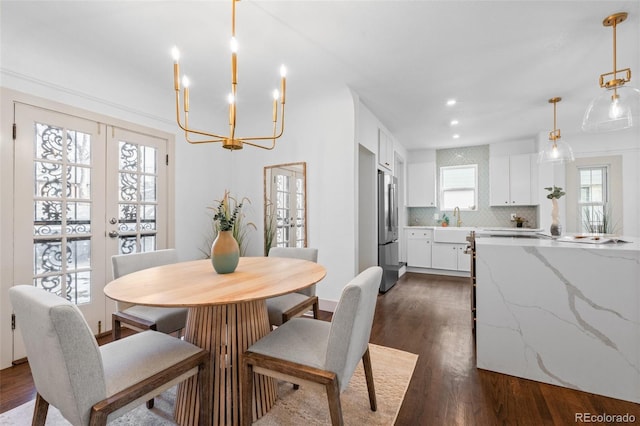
column 227, row 313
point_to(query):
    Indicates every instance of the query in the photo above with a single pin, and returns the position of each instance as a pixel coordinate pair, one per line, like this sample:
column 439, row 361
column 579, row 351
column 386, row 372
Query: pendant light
column 618, row 106
column 556, row 151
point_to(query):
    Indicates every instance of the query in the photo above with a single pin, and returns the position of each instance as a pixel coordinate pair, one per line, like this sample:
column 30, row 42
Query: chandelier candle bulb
column 283, row 82
column 185, row 84
column 175, row 53
column 276, row 95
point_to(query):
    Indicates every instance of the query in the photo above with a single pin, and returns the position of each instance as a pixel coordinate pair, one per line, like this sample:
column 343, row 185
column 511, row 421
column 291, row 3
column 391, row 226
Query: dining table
column 227, row 314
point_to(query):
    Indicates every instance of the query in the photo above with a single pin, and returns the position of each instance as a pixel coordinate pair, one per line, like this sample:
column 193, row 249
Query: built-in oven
column 471, row 251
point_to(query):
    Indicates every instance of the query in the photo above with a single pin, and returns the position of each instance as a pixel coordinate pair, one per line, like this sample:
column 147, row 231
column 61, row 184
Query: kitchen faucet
column 456, row 213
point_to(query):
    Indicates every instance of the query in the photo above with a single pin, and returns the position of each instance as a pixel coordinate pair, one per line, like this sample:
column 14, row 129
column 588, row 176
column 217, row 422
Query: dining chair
column 305, row 351
column 138, row 317
column 91, row 384
column 282, row 308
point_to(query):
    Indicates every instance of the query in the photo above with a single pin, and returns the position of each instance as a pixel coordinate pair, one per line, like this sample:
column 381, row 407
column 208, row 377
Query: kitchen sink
column 451, row 234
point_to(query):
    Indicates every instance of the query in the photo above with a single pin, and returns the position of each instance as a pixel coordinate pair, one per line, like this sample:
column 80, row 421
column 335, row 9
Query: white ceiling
column 502, row 60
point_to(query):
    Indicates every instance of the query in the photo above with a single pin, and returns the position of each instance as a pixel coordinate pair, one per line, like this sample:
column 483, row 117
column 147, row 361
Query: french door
column 83, row 192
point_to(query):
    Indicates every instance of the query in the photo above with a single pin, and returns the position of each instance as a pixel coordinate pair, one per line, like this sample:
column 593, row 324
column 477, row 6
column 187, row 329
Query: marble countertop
column 631, row 244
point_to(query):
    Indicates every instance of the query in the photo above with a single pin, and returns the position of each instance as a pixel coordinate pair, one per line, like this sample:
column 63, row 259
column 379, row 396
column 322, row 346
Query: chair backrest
column 123, row 264
column 351, row 324
column 63, row 355
column 306, row 253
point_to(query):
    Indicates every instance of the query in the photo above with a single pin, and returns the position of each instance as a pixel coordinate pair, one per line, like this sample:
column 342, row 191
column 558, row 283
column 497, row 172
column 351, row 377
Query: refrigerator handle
column 393, row 216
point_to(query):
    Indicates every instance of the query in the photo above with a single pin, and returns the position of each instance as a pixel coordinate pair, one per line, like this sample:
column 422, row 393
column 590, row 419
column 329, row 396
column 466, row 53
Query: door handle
column 114, row 234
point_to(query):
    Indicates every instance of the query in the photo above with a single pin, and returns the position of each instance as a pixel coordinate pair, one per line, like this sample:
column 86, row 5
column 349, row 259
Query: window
column 593, row 198
column 459, row 187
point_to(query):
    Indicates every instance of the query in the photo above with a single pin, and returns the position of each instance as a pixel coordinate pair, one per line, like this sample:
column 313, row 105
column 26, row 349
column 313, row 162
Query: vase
column 556, row 228
column 225, row 253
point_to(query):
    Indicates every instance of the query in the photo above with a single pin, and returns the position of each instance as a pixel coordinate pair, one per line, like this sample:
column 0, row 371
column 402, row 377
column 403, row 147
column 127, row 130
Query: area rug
column 392, row 370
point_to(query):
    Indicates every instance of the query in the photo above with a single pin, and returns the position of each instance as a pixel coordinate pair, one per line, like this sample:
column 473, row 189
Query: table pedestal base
column 226, row 331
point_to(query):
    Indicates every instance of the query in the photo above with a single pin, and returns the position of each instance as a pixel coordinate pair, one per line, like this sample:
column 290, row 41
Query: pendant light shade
column 618, row 106
column 556, row 150
column 614, row 109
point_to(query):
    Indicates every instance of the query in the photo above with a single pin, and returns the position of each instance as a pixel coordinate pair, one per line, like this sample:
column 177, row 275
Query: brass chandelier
column 230, row 141
column 558, row 151
column 619, row 106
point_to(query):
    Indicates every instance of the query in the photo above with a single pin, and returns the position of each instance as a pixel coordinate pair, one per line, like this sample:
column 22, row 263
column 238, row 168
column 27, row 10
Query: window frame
column 442, row 189
column 606, row 169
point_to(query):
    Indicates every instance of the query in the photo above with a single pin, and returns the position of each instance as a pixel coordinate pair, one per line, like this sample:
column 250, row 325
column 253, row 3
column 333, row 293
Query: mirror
column 285, row 206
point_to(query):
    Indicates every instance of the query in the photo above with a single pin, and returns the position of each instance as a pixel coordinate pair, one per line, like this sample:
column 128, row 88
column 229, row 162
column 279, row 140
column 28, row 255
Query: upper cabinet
column 513, row 180
column 385, row 150
column 421, row 184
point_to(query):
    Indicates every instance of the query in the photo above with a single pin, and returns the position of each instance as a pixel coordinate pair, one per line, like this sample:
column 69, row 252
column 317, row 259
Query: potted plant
column 444, row 222
column 225, row 250
column 554, row 195
column 519, row 220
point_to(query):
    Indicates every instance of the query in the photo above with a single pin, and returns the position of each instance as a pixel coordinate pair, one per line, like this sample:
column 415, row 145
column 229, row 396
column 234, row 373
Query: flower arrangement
column 555, row 192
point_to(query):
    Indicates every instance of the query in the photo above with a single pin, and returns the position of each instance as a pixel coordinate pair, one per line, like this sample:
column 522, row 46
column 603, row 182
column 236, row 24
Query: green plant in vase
column 230, row 232
column 597, row 221
column 555, row 193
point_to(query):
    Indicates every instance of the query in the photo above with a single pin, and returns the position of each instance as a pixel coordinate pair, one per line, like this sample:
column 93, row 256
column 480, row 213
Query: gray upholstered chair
column 303, row 350
column 283, row 308
column 92, row 384
column 165, row 320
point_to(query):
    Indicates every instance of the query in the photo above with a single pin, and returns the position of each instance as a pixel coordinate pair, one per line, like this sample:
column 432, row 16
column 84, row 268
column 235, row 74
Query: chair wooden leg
column 40, row 411
column 115, row 328
column 368, row 373
column 150, row 404
column 316, row 309
column 335, row 408
column 247, row 394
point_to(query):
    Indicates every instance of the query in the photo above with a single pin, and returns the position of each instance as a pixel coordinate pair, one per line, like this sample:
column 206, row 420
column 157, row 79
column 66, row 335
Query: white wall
column 319, row 131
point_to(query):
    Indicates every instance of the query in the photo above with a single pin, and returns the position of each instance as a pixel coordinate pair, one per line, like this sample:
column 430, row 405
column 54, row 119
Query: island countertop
column 569, row 241
column 564, row 313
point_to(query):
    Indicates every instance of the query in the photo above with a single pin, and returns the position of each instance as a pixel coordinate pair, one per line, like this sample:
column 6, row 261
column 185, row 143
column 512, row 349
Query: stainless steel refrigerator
column 388, row 247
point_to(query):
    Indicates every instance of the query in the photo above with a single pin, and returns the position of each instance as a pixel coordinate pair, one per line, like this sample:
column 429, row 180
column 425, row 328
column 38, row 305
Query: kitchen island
column 564, row 313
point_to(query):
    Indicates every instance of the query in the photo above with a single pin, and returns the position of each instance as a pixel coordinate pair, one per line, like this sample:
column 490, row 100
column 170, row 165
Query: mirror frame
column 267, row 173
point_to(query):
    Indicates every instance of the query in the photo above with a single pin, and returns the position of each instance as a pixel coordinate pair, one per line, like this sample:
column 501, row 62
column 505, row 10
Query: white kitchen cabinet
column 421, row 184
column 513, row 180
column 464, row 261
column 450, row 256
column 419, row 247
column 385, row 150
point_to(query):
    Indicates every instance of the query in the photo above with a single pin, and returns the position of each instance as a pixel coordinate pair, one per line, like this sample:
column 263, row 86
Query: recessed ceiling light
column 456, row 136
column 451, row 102
column 454, row 122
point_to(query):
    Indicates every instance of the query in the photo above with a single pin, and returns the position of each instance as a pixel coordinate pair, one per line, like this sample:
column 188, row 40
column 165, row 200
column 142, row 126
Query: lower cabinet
column 419, row 248
column 450, row 256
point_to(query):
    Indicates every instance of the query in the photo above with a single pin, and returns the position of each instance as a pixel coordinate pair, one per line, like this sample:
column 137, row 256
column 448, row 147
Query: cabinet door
column 419, row 252
column 421, row 184
column 520, row 179
column 385, row 150
column 444, row 256
column 464, row 260
column 499, row 181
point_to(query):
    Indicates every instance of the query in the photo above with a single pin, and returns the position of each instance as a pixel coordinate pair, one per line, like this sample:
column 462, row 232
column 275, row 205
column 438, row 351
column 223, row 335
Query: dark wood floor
column 429, row 315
